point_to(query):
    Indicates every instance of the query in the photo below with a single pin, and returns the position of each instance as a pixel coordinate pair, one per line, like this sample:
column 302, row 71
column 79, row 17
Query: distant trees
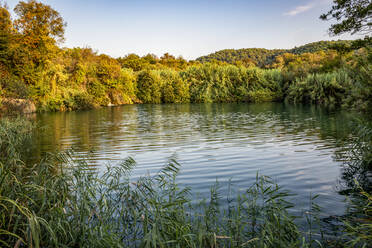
column 134, row 62
column 301, row 65
column 150, row 61
column 248, row 57
column 149, row 85
column 352, row 16
column 5, row 21
column 174, row 88
column 264, row 58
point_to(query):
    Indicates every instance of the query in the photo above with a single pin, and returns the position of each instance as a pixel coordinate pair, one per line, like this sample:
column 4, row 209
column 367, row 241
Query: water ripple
column 293, row 145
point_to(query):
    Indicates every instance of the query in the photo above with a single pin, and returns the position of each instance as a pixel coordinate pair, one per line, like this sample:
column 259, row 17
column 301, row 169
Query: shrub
column 174, row 88
column 128, row 85
column 14, row 88
column 360, row 91
column 263, row 95
column 96, row 89
column 83, row 101
column 327, row 89
column 149, row 86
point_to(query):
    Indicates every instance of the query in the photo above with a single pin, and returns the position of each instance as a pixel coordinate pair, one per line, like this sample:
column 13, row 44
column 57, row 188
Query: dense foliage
column 33, row 66
column 248, row 57
column 264, row 57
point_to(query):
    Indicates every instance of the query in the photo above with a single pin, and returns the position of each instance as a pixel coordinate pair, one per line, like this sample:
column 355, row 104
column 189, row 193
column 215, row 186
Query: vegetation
column 61, row 202
column 58, row 201
column 358, row 160
column 351, row 15
column 358, row 225
column 264, row 57
column 247, row 57
column 33, row 66
column 214, row 83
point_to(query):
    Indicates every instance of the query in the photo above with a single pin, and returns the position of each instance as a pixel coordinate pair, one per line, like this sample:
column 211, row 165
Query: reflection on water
column 294, row 145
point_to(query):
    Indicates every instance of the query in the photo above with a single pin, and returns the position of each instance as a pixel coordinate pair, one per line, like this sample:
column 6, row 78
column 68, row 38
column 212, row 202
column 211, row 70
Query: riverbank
column 336, row 89
column 16, row 106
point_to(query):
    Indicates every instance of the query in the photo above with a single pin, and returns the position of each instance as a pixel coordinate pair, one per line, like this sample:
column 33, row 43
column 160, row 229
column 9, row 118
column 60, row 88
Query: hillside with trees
column 265, row 57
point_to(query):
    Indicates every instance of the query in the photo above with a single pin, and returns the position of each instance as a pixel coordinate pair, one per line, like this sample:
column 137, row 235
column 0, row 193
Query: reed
column 62, row 202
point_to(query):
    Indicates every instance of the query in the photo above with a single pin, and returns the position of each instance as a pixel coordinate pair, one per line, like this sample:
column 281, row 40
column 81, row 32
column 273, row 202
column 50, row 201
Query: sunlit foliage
column 33, row 66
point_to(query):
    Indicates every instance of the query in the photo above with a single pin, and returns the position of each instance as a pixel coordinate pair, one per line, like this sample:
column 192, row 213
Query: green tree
column 5, row 30
column 149, row 86
column 132, row 61
column 351, row 15
column 39, row 22
column 5, row 21
column 174, row 88
column 38, row 30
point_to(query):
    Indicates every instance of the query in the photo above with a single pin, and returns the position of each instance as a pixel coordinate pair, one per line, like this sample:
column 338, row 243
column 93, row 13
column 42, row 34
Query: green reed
column 62, row 202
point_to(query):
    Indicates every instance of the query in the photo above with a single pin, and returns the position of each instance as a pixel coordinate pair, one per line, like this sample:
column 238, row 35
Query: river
column 294, row 145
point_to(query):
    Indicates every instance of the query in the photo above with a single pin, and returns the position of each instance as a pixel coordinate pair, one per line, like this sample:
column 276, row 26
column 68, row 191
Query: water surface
column 295, row 145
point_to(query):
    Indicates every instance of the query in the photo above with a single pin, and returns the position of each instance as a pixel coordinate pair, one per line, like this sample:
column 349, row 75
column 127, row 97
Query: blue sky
column 190, row 28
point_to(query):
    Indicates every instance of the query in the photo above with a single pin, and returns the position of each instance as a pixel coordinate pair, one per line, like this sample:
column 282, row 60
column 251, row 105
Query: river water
column 294, row 145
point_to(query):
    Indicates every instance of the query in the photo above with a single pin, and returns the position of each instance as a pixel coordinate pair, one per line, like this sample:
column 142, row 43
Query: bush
column 96, row 89
column 83, row 101
column 360, row 91
column 263, row 95
column 227, row 83
column 326, row 89
column 128, row 85
column 14, row 88
column 52, row 104
column 149, row 86
column 174, row 88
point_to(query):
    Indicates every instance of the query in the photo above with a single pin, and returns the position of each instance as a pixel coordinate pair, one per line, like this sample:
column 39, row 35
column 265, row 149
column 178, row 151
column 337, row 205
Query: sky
column 190, row 28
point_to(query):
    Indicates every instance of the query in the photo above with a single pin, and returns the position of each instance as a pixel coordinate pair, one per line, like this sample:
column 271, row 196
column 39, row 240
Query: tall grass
column 358, row 223
column 356, row 184
column 357, row 157
column 63, row 202
column 216, row 83
column 328, row 89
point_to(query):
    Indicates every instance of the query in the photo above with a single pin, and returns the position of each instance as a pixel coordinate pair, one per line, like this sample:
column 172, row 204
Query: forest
column 264, row 58
column 35, row 66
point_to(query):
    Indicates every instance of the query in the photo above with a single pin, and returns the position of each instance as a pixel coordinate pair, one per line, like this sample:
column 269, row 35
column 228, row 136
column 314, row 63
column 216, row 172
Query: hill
column 263, row 57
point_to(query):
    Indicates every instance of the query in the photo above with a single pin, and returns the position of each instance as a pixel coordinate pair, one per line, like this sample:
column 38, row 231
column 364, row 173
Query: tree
column 132, row 61
column 353, row 16
column 38, row 29
column 39, row 21
column 149, row 86
column 5, row 35
column 5, row 21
